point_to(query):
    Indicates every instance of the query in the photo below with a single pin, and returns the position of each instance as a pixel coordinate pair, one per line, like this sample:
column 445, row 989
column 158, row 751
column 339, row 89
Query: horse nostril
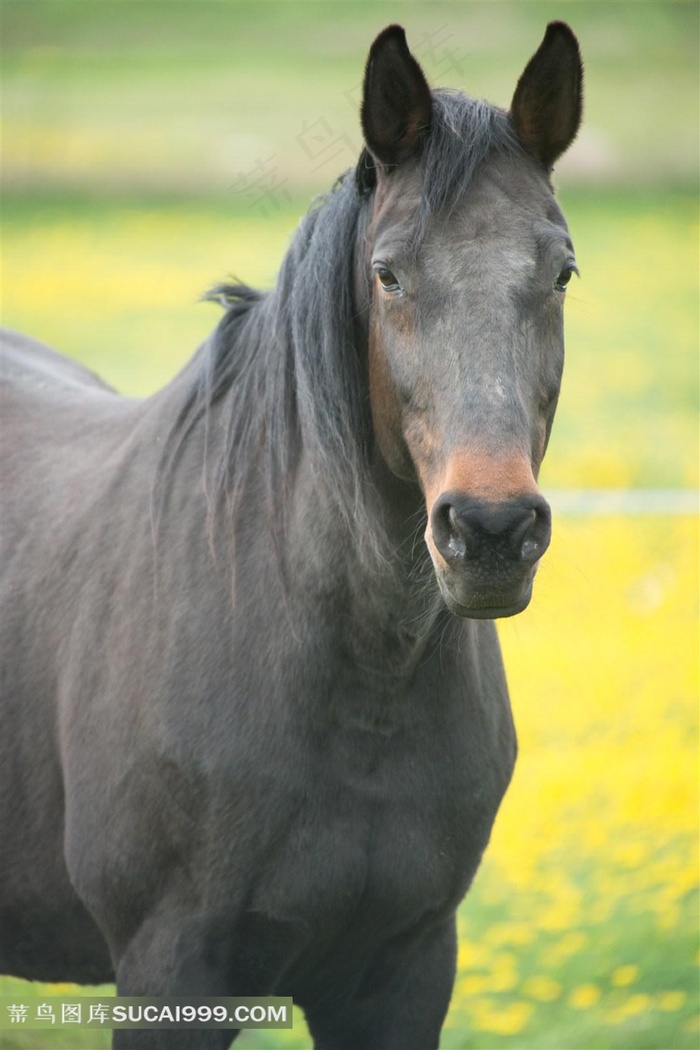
column 449, row 532
column 519, row 533
column 530, row 536
column 457, row 541
column 534, row 532
column 530, row 550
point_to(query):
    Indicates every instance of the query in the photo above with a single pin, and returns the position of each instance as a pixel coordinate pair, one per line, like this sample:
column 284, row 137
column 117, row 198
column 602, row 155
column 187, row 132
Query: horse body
column 284, row 797
column 249, row 750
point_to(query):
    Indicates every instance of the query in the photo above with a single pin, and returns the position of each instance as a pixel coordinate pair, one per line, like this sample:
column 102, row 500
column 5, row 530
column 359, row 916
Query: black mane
column 287, row 359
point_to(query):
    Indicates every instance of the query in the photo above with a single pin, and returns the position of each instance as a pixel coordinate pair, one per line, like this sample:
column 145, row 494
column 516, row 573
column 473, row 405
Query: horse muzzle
column 486, row 552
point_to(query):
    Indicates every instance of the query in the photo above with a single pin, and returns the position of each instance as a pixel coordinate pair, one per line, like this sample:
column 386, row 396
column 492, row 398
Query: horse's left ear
column 548, row 101
column 396, row 100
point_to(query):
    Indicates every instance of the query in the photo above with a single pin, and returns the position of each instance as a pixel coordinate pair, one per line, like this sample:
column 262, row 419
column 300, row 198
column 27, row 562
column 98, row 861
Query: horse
column 256, row 723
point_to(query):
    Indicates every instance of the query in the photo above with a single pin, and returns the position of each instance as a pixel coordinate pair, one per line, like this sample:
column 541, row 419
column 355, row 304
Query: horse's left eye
column 387, row 279
column 564, row 278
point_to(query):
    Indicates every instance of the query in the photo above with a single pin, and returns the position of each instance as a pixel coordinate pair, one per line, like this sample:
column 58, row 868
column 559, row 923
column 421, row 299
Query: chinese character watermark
column 44, row 1012
column 263, row 186
column 18, row 1013
column 318, row 143
column 441, row 60
column 99, row 1014
column 71, row 1013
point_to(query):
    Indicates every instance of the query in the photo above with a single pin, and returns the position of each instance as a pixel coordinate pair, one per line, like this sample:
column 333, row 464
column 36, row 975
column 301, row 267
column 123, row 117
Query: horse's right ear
column 548, row 101
column 396, row 100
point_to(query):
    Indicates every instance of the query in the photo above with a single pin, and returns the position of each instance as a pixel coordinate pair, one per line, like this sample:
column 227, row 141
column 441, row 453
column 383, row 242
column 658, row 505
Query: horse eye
column 387, row 279
column 564, row 278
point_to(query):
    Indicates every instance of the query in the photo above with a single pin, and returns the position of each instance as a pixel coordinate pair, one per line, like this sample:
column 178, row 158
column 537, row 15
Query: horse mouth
column 486, row 606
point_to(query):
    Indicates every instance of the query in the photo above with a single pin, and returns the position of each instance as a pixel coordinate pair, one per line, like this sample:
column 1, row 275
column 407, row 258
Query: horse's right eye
column 387, row 279
column 564, row 278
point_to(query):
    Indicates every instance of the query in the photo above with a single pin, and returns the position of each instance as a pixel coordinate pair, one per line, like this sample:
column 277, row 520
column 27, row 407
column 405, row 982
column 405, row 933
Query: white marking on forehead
column 494, row 391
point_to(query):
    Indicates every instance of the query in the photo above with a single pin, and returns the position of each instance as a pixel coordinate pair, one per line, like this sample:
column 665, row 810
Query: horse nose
column 464, row 528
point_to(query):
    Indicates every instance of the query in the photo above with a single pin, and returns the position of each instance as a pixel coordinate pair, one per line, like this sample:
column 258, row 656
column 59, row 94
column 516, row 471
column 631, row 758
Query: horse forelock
column 464, row 133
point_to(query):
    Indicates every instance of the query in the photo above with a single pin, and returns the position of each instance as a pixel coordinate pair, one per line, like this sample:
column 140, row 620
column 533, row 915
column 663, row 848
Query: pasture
column 581, row 928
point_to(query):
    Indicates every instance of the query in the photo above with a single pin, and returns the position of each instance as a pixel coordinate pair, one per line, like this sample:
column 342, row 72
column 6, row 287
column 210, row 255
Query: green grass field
column 129, row 132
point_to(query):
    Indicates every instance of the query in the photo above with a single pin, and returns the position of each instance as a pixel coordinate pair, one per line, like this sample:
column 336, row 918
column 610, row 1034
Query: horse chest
column 381, row 836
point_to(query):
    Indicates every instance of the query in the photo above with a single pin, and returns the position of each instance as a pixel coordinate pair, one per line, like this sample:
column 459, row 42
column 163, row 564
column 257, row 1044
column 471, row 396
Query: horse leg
column 400, row 1005
column 173, row 956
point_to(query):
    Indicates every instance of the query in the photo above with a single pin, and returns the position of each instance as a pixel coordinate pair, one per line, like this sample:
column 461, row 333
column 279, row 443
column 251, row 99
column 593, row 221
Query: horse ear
column 547, row 104
column 396, row 101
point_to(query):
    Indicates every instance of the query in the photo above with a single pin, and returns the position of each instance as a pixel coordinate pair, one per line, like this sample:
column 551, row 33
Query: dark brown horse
column 256, row 732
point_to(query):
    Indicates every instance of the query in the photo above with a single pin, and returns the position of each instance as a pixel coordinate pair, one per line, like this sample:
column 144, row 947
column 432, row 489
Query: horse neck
column 370, row 558
column 325, row 518
column 371, row 585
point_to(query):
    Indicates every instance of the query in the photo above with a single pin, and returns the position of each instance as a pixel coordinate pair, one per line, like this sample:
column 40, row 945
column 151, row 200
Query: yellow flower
column 636, row 1004
column 542, row 988
column 584, row 996
column 571, row 944
column 517, row 933
column 472, row 955
column 504, row 973
column 671, row 1001
column 506, row 1019
column 624, row 976
column 472, row 984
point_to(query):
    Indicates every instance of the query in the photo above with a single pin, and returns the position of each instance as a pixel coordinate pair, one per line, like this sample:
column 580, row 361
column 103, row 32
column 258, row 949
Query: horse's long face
column 466, row 357
column 466, row 353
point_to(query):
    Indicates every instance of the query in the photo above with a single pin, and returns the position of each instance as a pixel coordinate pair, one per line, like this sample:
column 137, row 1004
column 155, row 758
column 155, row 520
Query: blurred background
column 152, row 148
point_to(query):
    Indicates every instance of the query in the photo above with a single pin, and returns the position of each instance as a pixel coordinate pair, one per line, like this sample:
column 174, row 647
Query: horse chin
column 472, row 604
